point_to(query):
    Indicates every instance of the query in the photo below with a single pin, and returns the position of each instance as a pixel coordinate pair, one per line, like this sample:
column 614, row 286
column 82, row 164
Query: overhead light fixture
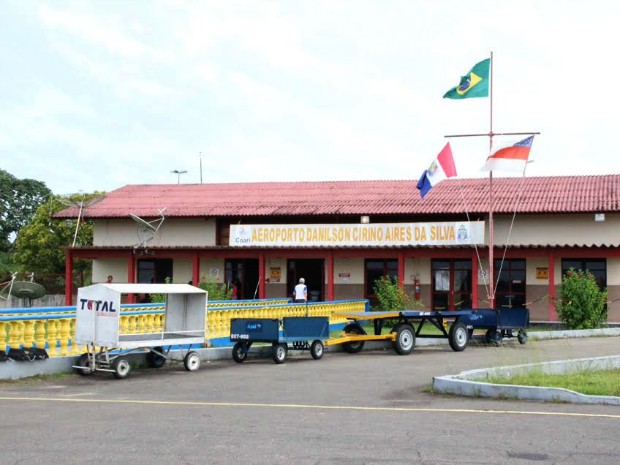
column 179, row 173
column 364, row 219
column 599, row 217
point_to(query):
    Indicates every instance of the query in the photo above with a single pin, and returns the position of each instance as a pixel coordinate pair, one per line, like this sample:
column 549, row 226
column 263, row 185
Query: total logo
column 106, row 306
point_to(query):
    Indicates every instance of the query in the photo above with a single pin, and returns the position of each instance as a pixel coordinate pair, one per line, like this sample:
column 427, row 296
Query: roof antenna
column 82, row 204
column 200, row 167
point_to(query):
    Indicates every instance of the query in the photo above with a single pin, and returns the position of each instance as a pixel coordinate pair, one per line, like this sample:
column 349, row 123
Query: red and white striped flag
column 511, row 158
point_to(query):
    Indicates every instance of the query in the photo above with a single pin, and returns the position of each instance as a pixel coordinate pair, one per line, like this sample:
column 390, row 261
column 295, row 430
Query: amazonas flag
column 511, row 158
column 473, row 84
column 442, row 168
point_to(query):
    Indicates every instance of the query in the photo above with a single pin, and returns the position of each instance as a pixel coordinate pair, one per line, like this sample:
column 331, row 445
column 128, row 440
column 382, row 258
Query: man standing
column 301, row 291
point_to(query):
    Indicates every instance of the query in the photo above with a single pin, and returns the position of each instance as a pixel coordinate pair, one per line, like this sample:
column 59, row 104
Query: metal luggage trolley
column 408, row 325
column 98, row 320
column 502, row 323
column 296, row 331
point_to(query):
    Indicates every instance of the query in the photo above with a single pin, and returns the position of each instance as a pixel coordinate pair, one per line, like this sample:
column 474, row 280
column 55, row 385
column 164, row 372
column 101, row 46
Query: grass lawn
column 597, row 383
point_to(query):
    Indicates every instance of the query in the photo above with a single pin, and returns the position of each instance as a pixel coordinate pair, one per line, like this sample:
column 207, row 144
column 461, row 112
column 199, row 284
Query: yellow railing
column 56, row 331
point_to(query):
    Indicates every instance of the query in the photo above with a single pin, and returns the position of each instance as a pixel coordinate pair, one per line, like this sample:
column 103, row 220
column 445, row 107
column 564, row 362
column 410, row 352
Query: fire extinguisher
column 416, row 288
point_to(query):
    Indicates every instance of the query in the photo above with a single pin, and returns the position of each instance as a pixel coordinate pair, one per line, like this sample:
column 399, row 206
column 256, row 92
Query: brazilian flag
column 473, row 84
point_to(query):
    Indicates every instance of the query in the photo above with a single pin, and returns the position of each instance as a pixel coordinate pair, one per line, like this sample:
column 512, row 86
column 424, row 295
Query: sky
column 95, row 95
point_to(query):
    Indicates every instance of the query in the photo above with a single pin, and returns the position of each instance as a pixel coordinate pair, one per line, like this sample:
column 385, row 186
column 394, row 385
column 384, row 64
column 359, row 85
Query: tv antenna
column 147, row 229
column 81, row 204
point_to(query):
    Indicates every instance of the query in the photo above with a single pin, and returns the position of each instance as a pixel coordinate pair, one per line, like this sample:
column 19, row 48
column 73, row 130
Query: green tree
column 19, row 200
column 39, row 244
column 582, row 302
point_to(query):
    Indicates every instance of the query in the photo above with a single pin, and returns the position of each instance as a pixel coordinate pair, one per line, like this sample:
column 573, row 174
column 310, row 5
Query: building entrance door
column 451, row 284
column 243, row 274
column 313, row 271
column 154, row 270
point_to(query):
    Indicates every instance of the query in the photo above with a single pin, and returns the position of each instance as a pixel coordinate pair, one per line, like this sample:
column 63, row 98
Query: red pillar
column 196, row 269
column 330, row 276
column 131, row 276
column 552, row 314
column 261, row 275
column 474, row 280
column 401, row 268
column 68, row 277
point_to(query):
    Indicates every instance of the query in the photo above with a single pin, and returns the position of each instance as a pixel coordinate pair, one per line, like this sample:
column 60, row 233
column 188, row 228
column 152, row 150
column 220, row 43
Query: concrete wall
column 212, row 269
column 558, row 230
column 117, row 267
column 173, row 232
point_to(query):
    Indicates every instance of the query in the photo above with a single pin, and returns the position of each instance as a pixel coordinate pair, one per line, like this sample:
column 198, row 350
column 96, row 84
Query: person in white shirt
column 301, row 291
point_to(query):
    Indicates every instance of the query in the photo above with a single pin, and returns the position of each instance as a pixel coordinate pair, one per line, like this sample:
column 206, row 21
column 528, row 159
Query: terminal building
column 341, row 236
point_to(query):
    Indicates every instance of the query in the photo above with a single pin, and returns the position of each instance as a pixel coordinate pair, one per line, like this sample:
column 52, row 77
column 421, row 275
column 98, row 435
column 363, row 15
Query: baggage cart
column 298, row 333
column 501, row 323
column 407, row 325
column 98, row 327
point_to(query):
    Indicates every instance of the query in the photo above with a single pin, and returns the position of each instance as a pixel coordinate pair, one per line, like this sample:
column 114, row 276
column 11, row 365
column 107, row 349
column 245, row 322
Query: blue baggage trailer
column 500, row 323
column 298, row 333
column 407, row 325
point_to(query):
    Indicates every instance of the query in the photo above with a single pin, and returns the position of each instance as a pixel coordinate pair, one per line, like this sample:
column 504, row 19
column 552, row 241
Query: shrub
column 582, row 302
column 160, row 298
column 215, row 290
column 390, row 296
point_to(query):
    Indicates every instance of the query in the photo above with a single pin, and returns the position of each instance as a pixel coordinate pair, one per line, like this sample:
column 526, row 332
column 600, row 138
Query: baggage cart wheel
column 84, row 361
column 191, row 361
column 405, row 339
column 522, row 337
column 458, row 336
column 279, row 353
column 239, row 352
column 493, row 336
column 353, row 347
column 154, row 357
column 317, row 349
column 121, row 367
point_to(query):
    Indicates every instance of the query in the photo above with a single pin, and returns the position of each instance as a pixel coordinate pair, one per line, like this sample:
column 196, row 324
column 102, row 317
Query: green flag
column 473, row 84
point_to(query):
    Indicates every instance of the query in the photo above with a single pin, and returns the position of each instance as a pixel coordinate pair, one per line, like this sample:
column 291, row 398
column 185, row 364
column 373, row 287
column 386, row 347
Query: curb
column 466, row 383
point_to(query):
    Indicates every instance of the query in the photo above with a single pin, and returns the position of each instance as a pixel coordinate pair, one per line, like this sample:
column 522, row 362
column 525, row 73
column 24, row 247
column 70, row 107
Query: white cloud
column 351, row 88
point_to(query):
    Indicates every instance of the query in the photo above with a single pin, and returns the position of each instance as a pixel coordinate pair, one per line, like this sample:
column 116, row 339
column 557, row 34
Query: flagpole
column 491, row 227
column 490, row 134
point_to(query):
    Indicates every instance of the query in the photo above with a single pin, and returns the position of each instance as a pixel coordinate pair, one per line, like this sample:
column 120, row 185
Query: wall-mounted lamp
column 599, row 217
column 364, row 219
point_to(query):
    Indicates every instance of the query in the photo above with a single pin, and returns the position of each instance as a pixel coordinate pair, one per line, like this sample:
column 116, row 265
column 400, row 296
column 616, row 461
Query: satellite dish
column 147, row 229
column 143, row 223
column 27, row 290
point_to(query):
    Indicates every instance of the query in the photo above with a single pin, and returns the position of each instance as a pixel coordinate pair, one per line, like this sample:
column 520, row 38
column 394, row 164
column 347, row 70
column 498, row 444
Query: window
column 596, row 266
column 510, row 291
column 376, row 269
column 451, row 284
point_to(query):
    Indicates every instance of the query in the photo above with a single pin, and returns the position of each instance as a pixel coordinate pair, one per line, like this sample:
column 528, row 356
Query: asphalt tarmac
column 368, row 408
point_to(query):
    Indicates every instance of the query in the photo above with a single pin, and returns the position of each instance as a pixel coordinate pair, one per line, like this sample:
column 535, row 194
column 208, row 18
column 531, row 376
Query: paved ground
column 366, row 408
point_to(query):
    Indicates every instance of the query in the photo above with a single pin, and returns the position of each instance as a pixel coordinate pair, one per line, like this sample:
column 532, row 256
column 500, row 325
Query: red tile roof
column 567, row 194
